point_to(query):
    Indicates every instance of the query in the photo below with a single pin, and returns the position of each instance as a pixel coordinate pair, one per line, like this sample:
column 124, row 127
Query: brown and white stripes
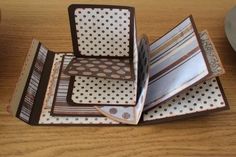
column 31, row 91
column 60, row 104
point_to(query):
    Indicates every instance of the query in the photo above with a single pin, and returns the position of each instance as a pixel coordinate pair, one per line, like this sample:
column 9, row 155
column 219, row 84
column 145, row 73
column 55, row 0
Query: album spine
column 33, row 94
column 39, row 99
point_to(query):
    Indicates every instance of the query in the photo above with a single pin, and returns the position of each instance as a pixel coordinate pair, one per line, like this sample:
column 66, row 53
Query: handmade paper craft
column 110, row 78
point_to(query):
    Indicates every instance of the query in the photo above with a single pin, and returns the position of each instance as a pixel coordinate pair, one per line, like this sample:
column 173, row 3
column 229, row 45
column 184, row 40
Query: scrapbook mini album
column 113, row 78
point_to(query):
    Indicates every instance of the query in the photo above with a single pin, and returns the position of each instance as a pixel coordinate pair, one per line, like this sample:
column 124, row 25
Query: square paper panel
column 102, row 30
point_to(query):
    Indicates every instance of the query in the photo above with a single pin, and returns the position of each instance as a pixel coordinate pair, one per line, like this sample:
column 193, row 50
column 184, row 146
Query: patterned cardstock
column 32, row 89
column 120, row 69
column 206, row 96
column 172, row 59
column 212, row 56
column 60, row 104
column 102, row 30
column 100, row 91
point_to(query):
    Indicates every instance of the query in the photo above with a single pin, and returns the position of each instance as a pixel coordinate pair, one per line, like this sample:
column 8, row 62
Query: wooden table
column 212, row 135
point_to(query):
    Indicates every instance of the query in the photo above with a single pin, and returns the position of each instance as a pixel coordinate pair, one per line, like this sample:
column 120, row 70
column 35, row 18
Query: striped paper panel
column 31, row 91
column 177, row 62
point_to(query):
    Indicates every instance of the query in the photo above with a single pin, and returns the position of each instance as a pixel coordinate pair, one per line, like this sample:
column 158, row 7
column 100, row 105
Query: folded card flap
column 102, row 30
column 117, row 68
column 31, row 87
column 177, row 61
column 132, row 114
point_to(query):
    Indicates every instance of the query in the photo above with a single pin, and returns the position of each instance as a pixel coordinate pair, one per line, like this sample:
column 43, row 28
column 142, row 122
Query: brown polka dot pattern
column 103, row 31
column 113, row 110
column 126, row 115
column 121, row 69
column 100, row 91
column 205, row 96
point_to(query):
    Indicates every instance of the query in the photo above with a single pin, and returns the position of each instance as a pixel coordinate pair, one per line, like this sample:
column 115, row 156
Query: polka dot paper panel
column 121, row 69
column 203, row 97
column 100, row 91
column 46, row 118
column 103, row 31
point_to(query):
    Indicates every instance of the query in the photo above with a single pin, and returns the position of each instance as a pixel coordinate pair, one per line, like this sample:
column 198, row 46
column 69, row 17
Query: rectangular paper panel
column 117, row 69
column 177, row 62
column 102, row 30
column 206, row 96
column 29, row 96
column 99, row 91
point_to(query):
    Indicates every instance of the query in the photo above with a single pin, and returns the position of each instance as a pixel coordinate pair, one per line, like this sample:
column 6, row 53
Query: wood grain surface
column 211, row 135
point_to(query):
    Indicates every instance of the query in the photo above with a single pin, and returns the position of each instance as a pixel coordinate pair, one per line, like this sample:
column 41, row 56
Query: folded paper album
column 113, row 77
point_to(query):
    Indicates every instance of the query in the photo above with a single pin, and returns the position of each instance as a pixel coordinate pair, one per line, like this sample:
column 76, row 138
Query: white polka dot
column 80, row 68
column 84, row 61
column 89, row 65
column 108, row 63
column 72, row 72
column 126, row 61
column 104, row 59
column 102, row 66
column 92, row 59
column 87, row 73
column 107, row 70
column 121, row 64
column 94, row 69
column 121, row 72
column 115, row 60
column 115, row 76
column 127, row 69
column 101, row 74
column 77, row 64
column 127, row 77
column 116, row 67
column 96, row 62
